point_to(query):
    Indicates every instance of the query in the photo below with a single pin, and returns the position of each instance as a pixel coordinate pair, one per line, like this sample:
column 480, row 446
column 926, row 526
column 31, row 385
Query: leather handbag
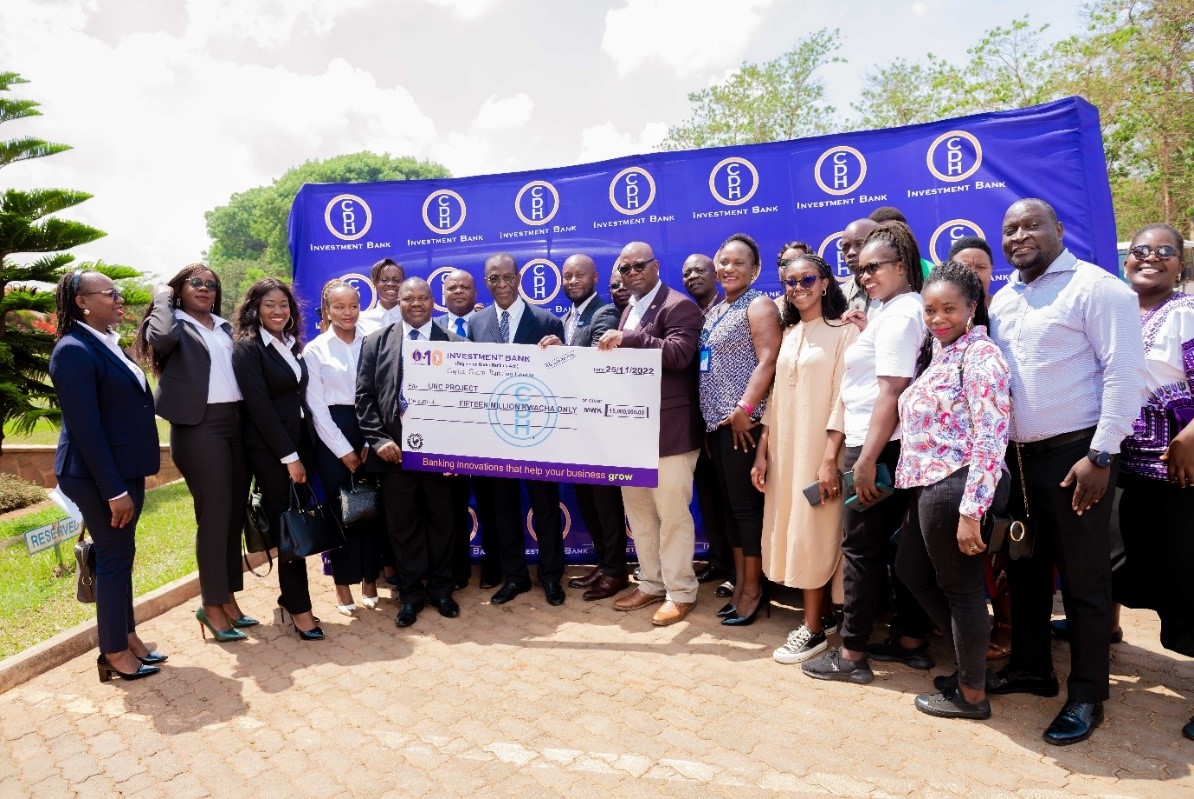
column 258, row 532
column 84, row 568
column 358, row 503
column 307, row 528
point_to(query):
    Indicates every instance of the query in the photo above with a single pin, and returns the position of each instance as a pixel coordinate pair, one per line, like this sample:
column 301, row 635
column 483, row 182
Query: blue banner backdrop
column 950, row 178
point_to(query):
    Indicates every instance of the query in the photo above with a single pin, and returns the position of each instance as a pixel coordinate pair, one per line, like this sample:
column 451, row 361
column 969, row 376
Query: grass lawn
column 35, row 605
column 46, row 433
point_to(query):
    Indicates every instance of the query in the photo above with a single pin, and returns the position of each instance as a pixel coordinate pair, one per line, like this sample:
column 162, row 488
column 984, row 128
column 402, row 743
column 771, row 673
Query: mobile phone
column 883, row 483
column 884, row 490
column 812, row 493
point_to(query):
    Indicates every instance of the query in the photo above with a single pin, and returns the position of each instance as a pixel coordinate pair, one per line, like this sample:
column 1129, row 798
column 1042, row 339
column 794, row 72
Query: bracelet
column 749, row 409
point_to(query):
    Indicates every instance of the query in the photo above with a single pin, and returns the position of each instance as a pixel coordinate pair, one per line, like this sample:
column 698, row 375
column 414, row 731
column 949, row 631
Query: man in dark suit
column 600, row 505
column 417, row 504
column 510, row 320
column 663, row 319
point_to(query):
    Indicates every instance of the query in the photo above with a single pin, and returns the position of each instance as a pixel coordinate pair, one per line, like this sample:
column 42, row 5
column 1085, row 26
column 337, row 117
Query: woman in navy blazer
column 107, row 447
column 272, row 377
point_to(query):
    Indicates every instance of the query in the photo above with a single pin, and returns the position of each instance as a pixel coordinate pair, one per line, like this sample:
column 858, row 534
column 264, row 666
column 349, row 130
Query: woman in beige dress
column 800, row 446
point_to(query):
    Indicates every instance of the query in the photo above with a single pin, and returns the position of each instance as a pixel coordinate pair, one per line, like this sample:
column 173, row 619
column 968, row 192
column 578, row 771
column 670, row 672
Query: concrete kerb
column 69, row 644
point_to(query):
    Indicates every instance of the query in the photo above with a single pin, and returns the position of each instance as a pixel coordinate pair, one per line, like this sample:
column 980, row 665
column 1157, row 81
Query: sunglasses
column 807, row 282
column 637, row 266
column 200, row 283
column 873, row 267
column 114, row 294
column 615, row 286
column 495, row 280
column 1142, row 251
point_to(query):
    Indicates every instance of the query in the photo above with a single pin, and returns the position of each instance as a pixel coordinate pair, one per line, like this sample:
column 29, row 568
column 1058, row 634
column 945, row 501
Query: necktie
column 414, row 335
column 570, row 327
column 402, row 403
column 504, row 327
column 460, row 327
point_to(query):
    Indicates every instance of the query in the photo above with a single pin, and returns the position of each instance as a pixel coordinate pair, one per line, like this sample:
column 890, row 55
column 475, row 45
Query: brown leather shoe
column 605, row 587
column 636, row 599
column 584, row 582
column 672, row 612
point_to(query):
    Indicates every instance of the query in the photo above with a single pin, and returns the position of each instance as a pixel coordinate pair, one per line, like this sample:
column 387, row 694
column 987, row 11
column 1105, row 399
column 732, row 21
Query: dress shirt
column 111, row 340
column 516, row 308
column 424, row 331
column 577, row 310
column 221, row 381
column 331, row 380
column 638, row 307
column 378, row 317
column 1072, row 340
column 450, row 319
column 283, row 348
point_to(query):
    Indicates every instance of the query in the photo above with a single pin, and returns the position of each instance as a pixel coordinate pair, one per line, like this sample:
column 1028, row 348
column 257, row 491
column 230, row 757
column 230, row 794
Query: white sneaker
column 802, row 644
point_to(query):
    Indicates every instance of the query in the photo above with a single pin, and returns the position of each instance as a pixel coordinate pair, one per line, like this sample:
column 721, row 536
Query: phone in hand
column 812, row 492
column 883, row 483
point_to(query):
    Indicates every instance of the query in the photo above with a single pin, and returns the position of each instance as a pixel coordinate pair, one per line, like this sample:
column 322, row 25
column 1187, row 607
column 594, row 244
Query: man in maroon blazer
column 662, row 319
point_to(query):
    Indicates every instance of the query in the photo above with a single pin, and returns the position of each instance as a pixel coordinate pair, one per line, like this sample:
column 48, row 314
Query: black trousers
column 948, row 584
column 359, row 560
column 605, row 519
column 211, row 457
column 501, row 525
column 274, row 481
column 867, row 535
column 114, row 552
column 741, row 505
column 1080, row 546
column 712, row 521
column 462, row 527
column 419, row 521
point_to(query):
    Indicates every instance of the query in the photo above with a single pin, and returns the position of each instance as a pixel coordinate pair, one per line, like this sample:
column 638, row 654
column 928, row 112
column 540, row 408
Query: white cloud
column 920, row 9
column 508, row 112
column 687, row 35
column 606, row 141
column 466, row 9
column 266, row 23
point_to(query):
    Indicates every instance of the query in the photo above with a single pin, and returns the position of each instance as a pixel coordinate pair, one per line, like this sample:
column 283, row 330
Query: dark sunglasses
column 615, row 286
column 637, row 266
column 114, row 294
column 200, row 283
column 808, row 281
column 874, row 266
column 1141, row 252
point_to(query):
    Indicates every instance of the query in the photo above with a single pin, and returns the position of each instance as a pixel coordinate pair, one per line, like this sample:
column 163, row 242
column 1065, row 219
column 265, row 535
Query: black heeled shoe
column 727, row 609
column 152, row 659
column 107, row 671
column 738, row 620
column 314, row 634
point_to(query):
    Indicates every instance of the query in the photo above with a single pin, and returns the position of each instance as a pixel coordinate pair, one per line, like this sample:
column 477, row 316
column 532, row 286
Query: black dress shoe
column 488, row 581
column 152, row 659
column 408, row 614
column 446, row 606
column 1076, row 721
column 510, row 590
column 1007, row 682
column 554, row 592
column 725, row 589
column 591, row 576
column 712, row 574
column 1188, row 730
column 461, row 582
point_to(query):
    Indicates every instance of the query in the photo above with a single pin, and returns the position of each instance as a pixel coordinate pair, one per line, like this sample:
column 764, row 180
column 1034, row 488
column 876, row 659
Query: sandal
column 999, row 651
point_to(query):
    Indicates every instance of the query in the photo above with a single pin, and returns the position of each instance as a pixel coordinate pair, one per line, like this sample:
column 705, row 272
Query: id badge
column 706, row 362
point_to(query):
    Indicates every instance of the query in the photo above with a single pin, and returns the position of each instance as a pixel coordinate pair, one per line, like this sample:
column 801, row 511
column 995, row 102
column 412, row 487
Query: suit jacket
column 672, row 323
column 597, row 318
column 108, row 429
column 532, row 327
column 186, row 364
column 275, row 401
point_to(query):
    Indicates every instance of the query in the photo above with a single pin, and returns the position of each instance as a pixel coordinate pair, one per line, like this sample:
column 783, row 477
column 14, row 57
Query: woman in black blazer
column 189, row 347
column 272, row 377
column 107, row 447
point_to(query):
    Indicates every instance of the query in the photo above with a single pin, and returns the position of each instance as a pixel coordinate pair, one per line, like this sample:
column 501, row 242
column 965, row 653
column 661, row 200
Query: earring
column 969, row 324
column 86, row 311
column 824, row 292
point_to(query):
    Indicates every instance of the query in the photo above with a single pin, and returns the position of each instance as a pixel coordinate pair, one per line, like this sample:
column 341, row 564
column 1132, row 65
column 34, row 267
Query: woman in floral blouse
column 955, row 422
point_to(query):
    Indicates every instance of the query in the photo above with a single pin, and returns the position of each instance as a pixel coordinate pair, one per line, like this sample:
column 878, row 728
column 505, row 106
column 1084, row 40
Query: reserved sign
column 42, row 538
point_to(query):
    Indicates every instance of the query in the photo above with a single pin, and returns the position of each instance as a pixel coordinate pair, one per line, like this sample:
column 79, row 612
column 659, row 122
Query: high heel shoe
column 222, row 636
column 727, row 609
column 738, row 620
column 314, row 634
column 244, row 621
column 347, row 610
column 152, row 659
column 107, row 671
column 370, row 602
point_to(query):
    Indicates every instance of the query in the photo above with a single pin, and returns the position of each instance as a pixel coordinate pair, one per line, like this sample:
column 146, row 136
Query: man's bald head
column 638, row 267
column 460, row 292
column 579, row 277
column 853, row 237
column 700, row 278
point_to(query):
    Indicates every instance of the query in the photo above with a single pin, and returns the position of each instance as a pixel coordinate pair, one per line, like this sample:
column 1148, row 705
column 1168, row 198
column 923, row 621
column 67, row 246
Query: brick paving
column 526, row 700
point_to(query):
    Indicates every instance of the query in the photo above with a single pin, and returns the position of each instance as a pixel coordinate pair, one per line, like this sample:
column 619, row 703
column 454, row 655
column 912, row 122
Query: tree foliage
column 249, row 235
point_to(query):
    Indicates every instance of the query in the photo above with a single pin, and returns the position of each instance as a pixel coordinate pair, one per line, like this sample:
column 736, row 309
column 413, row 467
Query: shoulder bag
column 84, row 568
column 307, row 528
column 259, row 533
column 358, row 503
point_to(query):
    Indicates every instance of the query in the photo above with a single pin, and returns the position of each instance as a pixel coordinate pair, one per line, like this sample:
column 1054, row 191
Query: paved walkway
column 526, row 700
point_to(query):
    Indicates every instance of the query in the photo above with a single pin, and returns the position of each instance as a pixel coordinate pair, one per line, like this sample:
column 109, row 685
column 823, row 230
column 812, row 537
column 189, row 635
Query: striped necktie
column 504, row 327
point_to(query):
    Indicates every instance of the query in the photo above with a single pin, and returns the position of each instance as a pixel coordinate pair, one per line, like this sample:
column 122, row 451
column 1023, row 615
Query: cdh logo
column 563, row 512
column 632, row 190
column 958, row 159
column 364, row 287
column 537, row 203
column 444, row 212
column 840, row 170
column 347, row 217
column 950, row 232
column 435, row 282
column 835, row 257
column 544, row 283
column 733, row 181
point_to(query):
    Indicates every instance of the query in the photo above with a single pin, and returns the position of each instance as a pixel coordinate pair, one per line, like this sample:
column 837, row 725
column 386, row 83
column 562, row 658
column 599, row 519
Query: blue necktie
column 504, row 327
column 402, row 403
column 414, row 334
column 460, row 327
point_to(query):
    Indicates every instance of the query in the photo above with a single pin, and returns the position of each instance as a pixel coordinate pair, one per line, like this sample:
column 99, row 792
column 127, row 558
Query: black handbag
column 259, row 533
column 84, row 568
column 358, row 503
column 307, row 528
column 1004, row 533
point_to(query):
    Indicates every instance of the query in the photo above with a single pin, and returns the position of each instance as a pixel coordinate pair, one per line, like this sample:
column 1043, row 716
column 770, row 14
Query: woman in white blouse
column 340, row 449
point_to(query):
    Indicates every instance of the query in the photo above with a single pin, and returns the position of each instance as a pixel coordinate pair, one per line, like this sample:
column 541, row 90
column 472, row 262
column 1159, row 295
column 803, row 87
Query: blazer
column 275, row 403
column 108, row 430
column 532, row 327
column 672, row 323
column 597, row 318
column 186, row 364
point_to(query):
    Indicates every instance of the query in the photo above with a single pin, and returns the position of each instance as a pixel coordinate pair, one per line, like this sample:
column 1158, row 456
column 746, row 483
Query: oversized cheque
column 569, row 414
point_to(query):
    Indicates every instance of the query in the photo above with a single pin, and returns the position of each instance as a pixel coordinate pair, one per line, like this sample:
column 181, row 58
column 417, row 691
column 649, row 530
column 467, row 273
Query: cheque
column 568, row 414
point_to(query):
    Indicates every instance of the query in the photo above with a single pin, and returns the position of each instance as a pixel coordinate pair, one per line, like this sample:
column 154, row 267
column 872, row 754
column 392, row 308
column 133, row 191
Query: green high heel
column 220, row 635
column 245, row 621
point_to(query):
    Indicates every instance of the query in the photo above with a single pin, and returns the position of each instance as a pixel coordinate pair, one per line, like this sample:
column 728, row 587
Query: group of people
column 852, row 441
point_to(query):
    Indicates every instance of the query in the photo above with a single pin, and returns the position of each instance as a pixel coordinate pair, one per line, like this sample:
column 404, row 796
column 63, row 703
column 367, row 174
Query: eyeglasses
column 615, row 286
column 496, row 280
column 807, row 282
column 1142, row 251
column 870, row 269
column 200, row 283
column 114, row 294
column 637, row 266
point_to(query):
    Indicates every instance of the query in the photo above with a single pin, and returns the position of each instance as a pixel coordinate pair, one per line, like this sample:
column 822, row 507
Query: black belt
column 1056, row 442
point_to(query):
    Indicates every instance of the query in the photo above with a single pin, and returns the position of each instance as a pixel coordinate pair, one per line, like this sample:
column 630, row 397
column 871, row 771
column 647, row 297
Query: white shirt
column 283, row 347
column 424, row 331
column 378, row 317
column 887, row 348
column 221, row 381
column 638, row 307
column 516, row 308
column 331, row 380
column 450, row 322
column 112, row 342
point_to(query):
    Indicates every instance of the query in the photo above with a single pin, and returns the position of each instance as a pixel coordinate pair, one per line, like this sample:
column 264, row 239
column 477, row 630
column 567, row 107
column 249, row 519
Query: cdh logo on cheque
column 544, row 281
column 948, row 233
column 836, row 258
column 347, row 217
column 954, row 155
column 537, row 202
column 840, row 170
column 364, row 287
column 632, row 190
column 733, row 181
column 444, row 212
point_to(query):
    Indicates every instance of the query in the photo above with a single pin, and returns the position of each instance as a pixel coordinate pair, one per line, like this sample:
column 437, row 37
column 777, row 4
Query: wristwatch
column 1100, row 458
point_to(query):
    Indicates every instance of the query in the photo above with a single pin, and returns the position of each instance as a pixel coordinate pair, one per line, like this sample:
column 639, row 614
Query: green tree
column 779, row 99
column 900, row 93
column 249, row 235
